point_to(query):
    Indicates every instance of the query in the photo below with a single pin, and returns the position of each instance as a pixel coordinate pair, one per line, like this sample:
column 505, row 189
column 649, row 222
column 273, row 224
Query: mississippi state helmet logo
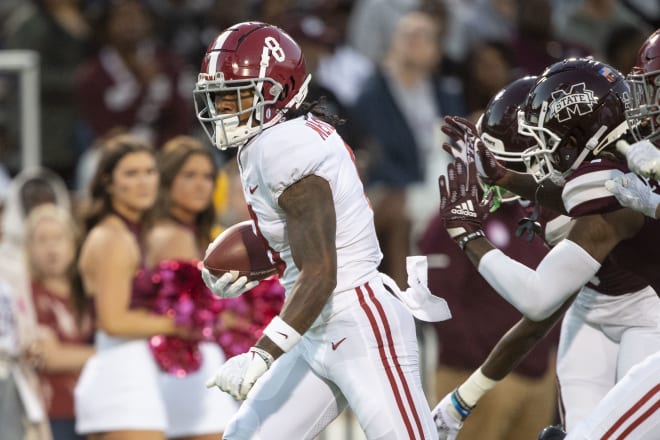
column 578, row 100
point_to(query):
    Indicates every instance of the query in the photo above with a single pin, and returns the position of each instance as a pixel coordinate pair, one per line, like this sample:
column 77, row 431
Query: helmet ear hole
column 285, row 93
column 567, row 152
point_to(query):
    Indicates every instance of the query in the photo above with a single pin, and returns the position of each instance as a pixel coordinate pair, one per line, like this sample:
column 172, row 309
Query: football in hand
column 238, row 249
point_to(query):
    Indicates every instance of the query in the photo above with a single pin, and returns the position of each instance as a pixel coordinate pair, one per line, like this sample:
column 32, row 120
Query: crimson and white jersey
column 285, row 154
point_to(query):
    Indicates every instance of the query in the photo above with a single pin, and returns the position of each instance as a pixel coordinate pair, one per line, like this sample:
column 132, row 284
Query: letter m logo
column 576, row 101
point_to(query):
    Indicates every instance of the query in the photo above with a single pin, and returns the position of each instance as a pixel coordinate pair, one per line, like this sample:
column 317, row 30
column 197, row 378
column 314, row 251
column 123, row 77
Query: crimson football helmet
column 498, row 126
column 575, row 109
column 644, row 79
column 252, row 57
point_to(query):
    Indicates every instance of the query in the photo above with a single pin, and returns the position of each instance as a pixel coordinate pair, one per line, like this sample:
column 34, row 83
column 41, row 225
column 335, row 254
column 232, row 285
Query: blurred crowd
column 391, row 69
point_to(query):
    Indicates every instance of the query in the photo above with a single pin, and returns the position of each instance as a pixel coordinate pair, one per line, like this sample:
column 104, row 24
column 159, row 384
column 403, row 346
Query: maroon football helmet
column 644, row 79
column 255, row 57
column 498, row 125
column 575, row 102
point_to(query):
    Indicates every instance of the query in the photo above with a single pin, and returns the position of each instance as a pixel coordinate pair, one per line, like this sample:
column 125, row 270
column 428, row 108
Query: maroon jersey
column 633, row 263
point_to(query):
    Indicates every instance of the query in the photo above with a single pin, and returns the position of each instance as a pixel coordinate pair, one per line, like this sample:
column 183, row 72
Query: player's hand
column 643, row 158
column 227, row 286
column 469, row 146
column 238, row 375
column 447, row 419
column 633, row 192
column 461, row 208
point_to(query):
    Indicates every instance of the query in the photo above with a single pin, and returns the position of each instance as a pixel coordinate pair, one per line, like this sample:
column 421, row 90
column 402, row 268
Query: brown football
column 238, row 249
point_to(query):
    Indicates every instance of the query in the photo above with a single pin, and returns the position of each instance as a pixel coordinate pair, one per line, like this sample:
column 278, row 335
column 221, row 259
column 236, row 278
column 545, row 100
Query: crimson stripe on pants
column 383, row 358
column 393, row 355
column 630, row 412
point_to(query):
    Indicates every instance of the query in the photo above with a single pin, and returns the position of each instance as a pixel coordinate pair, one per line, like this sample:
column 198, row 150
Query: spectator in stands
column 536, row 44
column 63, row 313
column 589, row 24
column 28, row 189
column 489, row 66
column 398, row 115
column 22, row 412
column 133, row 83
column 472, row 23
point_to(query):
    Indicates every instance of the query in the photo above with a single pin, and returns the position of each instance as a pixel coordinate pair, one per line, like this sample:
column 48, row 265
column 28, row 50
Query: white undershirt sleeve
column 538, row 293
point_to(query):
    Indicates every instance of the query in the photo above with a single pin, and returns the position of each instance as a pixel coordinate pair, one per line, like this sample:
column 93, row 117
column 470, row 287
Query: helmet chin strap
column 595, row 144
column 590, row 147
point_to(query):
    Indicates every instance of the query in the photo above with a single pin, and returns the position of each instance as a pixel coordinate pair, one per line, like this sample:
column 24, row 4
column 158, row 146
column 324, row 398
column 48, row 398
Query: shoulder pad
column 584, row 192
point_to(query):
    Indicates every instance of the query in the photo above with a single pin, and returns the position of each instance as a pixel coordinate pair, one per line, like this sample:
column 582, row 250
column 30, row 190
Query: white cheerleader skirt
column 193, row 409
column 118, row 389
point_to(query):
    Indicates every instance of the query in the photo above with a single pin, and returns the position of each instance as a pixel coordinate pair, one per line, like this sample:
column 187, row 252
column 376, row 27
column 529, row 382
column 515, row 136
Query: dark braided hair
column 318, row 109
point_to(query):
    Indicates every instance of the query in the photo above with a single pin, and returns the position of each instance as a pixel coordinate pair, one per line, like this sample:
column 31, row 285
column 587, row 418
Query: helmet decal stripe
column 220, row 41
column 213, row 61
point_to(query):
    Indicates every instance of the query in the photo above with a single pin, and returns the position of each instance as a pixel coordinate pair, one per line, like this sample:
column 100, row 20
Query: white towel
column 417, row 298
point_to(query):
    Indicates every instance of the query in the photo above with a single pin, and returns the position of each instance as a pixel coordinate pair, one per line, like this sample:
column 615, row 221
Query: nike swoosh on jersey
column 253, row 189
column 336, row 344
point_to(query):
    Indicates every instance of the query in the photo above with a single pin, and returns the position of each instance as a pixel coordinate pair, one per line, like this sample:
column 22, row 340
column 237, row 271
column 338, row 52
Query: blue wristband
column 462, row 411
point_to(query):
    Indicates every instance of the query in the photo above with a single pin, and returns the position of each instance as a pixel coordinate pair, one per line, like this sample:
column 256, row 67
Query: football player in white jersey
column 341, row 338
column 575, row 113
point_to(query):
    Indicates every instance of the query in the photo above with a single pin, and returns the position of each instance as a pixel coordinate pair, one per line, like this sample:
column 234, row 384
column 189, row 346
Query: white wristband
column 282, row 334
column 475, row 386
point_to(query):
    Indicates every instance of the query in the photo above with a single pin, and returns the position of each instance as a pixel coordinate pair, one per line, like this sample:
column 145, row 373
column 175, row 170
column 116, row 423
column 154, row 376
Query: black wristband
column 461, row 242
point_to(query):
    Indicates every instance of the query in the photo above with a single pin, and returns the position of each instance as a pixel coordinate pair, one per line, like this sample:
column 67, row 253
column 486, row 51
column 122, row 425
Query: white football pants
column 630, row 411
column 361, row 352
column 602, row 337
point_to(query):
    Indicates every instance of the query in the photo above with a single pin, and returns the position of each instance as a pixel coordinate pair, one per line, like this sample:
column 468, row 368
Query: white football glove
column 227, row 286
column 643, row 158
column 447, row 419
column 238, row 374
column 632, row 192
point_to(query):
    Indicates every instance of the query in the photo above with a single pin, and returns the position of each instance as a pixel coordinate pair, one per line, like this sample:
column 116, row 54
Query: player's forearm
column 311, row 227
column 517, row 343
column 308, row 297
column 545, row 194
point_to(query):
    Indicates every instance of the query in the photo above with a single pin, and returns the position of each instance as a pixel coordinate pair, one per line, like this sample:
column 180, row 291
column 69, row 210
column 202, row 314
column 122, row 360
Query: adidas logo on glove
column 465, row 208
